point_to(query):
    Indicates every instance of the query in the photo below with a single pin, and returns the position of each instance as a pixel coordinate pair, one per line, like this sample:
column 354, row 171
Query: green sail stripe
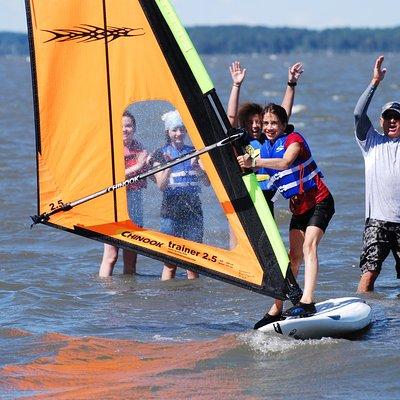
column 186, row 45
column 267, row 220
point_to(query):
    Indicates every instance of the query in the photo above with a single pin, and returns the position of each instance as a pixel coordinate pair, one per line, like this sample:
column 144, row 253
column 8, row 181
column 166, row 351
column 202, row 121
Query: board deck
column 339, row 317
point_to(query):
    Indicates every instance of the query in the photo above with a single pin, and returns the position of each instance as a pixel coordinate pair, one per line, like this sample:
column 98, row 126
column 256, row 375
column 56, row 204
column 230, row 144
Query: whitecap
column 267, row 76
column 268, row 93
column 298, row 108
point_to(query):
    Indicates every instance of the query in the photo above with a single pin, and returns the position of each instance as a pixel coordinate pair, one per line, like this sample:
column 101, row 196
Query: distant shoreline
column 242, row 39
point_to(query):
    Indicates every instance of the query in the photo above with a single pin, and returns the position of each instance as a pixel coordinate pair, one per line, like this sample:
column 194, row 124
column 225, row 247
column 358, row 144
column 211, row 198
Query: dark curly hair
column 246, row 110
column 129, row 115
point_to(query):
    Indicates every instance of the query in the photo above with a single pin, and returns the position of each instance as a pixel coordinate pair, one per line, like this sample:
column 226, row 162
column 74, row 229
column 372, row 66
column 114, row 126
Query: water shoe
column 267, row 319
column 301, row 310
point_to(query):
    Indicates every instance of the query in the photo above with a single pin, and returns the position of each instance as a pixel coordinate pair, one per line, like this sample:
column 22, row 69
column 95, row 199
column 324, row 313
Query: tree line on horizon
column 242, row 39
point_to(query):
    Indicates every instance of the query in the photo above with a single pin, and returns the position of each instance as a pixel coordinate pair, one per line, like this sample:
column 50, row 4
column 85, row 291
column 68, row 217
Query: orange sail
column 93, row 61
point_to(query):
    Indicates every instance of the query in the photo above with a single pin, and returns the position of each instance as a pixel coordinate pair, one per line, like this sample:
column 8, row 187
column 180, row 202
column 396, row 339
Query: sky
column 312, row 14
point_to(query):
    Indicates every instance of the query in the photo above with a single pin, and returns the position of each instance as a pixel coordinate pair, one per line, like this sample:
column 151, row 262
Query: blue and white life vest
column 254, row 149
column 297, row 179
column 183, row 178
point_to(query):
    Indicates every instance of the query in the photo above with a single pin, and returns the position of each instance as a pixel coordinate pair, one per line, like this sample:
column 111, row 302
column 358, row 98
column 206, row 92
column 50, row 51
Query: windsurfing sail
column 94, row 62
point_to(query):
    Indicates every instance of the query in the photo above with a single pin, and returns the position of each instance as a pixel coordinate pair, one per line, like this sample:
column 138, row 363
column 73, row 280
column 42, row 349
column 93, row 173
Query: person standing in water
column 135, row 163
column 381, row 152
column 287, row 158
column 249, row 117
column 181, row 210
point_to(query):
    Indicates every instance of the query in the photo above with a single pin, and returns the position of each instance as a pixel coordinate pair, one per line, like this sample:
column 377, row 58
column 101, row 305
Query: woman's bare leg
column 110, row 257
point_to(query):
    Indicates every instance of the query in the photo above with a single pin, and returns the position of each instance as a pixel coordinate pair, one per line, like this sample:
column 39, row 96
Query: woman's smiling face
column 128, row 129
column 177, row 135
column 272, row 126
column 253, row 125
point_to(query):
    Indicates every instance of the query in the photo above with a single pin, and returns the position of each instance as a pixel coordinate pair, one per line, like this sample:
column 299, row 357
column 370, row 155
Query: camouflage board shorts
column 380, row 237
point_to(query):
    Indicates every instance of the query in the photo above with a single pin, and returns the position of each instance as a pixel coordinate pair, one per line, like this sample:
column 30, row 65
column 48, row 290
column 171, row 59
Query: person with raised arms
column 381, row 152
column 248, row 116
column 287, row 158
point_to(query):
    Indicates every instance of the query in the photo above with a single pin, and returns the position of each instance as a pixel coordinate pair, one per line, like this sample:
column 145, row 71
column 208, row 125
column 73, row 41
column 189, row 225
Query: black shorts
column 318, row 216
column 380, row 237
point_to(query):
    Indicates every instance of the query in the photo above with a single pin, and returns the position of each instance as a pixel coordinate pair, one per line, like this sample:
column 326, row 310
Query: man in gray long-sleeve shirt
column 381, row 154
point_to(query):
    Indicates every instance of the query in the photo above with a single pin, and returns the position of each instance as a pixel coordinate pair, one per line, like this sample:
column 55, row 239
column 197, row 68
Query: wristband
column 253, row 162
column 292, row 84
column 236, row 85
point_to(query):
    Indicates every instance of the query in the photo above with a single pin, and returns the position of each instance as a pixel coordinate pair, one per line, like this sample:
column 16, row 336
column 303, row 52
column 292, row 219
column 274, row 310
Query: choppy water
column 66, row 334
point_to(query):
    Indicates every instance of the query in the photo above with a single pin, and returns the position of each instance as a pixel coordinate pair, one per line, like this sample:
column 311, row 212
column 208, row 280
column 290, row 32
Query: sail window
column 178, row 201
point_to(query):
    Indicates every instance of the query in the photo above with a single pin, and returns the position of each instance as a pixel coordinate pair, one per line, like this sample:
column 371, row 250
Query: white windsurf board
column 339, row 317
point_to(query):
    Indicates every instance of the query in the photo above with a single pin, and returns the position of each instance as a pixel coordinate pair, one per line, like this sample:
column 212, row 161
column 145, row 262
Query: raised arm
column 361, row 118
column 238, row 74
column 294, row 74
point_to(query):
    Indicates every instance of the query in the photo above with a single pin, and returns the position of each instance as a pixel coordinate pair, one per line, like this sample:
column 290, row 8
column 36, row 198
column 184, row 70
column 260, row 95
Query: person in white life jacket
column 181, row 210
column 286, row 157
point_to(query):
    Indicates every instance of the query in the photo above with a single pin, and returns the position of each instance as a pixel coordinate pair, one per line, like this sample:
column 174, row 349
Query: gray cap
column 391, row 106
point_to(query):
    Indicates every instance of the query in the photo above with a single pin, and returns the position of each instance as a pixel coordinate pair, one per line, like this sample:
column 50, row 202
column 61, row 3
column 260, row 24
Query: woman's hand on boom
column 244, row 161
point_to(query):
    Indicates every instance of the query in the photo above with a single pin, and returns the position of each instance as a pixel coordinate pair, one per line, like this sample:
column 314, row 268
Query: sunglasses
column 391, row 115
